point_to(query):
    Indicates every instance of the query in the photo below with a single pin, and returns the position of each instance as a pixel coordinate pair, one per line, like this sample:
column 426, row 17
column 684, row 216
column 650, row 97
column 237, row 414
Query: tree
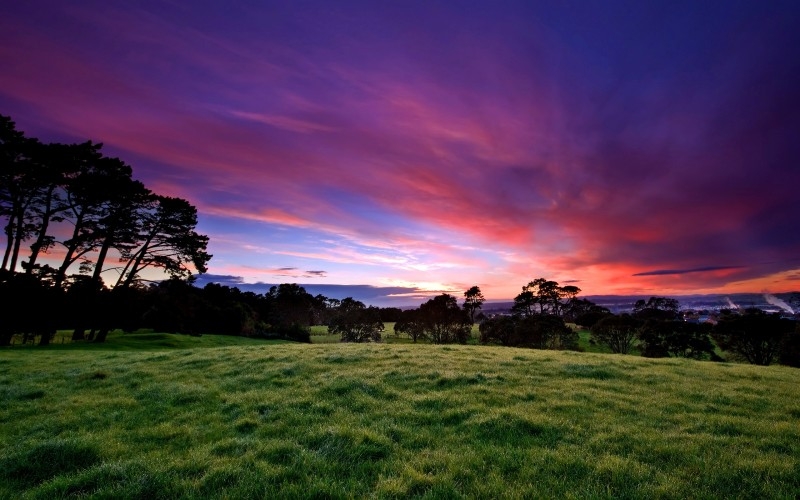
column 167, row 240
column 754, row 335
column 390, row 314
column 790, row 352
column 524, row 303
column 410, row 323
column 616, row 332
column 53, row 164
column 20, row 184
column 567, row 292
column 119, row 225
column 660, row 308
column 473, row 301
column 289, row 311
column 583, row 312
column 538, row 331
column 545, row 294
column 499, row 329
column 356, row 323
column 23, row 297
column 443, row 321
column 88, row 187
column 659, row 338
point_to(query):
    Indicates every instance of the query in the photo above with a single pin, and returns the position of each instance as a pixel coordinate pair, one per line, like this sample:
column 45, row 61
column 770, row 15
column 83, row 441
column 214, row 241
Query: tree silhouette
column 87, row 190
column 411, row 324
column 661, row 338
column 443, row 321
column 755, row 335
column 355, row 322
column 545, row 294
column 616, row 332
column 473, row 301
column 20, row 184
column 166, row 240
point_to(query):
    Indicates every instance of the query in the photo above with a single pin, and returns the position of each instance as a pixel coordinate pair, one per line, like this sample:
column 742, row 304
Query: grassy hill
column 172, row 416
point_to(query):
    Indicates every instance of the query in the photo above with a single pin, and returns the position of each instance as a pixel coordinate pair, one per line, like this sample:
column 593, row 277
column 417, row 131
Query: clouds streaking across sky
column 625, row 147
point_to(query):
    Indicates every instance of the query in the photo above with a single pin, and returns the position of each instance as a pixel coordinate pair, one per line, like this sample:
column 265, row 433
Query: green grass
column 250, row 419
column 142, row 339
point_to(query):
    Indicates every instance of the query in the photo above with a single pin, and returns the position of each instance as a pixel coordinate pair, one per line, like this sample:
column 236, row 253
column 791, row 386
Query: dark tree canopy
column 542, row 296
column 73, row 197
column 538, row 331
column 355, row 322
column 88, row 206
column 617, row 332
column 662, row 338
column 410, row 323
column 473, row 301
column 443, row 321
column 755, row 335
column 661, row 308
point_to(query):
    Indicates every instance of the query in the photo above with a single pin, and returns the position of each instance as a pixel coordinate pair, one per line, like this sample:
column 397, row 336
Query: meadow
column 168, row 416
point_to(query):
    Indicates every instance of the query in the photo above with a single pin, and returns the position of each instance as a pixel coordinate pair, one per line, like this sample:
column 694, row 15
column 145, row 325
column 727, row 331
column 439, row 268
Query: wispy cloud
column 458, row 145
column 662, row 272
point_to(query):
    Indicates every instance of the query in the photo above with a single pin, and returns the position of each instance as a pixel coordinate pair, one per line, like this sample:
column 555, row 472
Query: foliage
column 539, row 331
column 73, row 197
column 617, row 332
column 584, row 312
column 790, row 352
column 356, row 323
column 498, row 329
column 473, row 301
column 289, row 308
column 410, row 323
column 657, row 308
column 545, row 294
column 443, row 321
column 390, row 314
column 662, row 338
column 754, row 335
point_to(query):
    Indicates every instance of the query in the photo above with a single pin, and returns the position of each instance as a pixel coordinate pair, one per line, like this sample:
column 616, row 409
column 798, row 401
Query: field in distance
column 173, row 416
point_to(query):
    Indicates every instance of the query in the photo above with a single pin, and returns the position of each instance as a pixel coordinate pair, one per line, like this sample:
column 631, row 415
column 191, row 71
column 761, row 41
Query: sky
column 395, row 150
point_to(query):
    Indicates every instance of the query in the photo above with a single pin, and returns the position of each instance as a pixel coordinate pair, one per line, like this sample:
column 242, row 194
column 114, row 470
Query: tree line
column 655, row 327
column 87, row 211
column 101, row 230
column 98, row 226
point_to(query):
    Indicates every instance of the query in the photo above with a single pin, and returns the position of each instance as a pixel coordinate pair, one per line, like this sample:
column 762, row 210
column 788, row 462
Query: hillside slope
column 392, row 420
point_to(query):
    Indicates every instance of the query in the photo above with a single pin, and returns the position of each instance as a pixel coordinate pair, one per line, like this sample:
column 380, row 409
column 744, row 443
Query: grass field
column 168, row 416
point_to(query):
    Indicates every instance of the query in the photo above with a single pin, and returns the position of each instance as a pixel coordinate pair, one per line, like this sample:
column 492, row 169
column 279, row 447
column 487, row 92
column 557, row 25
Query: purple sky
column 419, row 147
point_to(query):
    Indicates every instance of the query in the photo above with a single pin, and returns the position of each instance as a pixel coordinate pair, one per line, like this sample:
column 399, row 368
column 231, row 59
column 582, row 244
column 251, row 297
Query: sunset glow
column 402, row 150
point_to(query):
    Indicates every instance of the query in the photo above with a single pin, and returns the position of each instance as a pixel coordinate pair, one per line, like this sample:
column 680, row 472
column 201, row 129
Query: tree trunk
column 101, row 335
column 137, row 261
column 68, row 260
column 9, row 230
column 40, row 239
column 47, row 336
column 17, row 241
column 79, row 334
column 101, row 258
